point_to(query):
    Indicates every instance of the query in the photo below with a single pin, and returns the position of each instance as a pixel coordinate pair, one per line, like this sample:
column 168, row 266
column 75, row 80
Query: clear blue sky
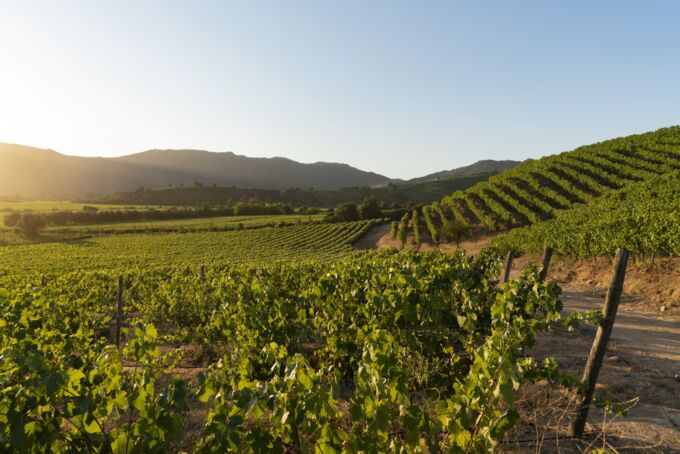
column 400, row 88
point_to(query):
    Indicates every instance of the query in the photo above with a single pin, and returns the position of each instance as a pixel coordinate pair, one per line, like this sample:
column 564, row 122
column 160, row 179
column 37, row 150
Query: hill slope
column 479, row 167
column 402, row 194
column 643, row 217
column 536, row 190
column 46, row 173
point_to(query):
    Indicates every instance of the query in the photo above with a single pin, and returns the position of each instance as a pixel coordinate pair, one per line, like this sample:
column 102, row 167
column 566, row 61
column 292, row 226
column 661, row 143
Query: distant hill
column 37, row 172
column 389, row 194
column 40, row 173
column 480, row 167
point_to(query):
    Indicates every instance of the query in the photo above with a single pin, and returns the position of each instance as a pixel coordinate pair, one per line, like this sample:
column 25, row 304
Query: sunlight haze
column 398, row 88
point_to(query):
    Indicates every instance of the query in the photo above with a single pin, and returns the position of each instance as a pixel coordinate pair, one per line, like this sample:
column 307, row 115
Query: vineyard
column 643, row 218
column 274, row 334
column 381, row 352
column 261, row 245
column 224, row 223
column 587, row 202
column 537, row 190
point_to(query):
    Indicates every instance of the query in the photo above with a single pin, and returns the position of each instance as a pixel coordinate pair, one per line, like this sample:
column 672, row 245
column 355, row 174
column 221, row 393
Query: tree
column 29, row 225
column 455, row 230
column 346, row 212
column 12, row 218
column 370, row 208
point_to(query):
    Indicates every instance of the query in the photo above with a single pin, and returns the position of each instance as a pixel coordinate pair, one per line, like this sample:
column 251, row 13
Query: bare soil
column 651, row 285
column 371, row 239
column 640, row 372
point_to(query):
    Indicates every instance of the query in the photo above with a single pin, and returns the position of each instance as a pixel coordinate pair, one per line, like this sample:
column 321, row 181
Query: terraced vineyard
column 537, row 190
column 643, row 217
column 262, row 245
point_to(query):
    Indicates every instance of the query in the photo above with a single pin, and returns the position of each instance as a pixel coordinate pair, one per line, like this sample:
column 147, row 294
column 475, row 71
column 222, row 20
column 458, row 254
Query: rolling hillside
column 484, row 166
column 536, row 190
column 402, row 194
column 45, row 173
column 643, row 217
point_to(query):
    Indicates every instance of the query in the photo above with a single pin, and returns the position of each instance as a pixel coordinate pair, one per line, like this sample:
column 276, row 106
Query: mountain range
column 34, row 172
column 479, row 167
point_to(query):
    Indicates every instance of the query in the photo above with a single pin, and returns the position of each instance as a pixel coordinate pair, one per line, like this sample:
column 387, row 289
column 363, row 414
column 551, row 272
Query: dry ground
column 640, row 372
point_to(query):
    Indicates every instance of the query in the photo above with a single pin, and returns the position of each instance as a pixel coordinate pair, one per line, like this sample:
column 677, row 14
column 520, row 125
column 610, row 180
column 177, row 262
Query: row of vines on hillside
column 644, row 218
column 536, row 190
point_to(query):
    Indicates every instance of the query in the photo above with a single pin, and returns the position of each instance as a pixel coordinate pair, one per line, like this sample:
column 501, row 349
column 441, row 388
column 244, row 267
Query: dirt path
column 371, row 239
column 640, row 372
column 650, row 336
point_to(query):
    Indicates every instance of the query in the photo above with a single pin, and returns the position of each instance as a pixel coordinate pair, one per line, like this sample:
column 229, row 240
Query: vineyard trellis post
column 599, row 347
column 508, row 267
column 547, row 256
column 119, row 310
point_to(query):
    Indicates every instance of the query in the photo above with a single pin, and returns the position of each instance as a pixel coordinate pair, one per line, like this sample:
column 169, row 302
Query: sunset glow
column 352, row 81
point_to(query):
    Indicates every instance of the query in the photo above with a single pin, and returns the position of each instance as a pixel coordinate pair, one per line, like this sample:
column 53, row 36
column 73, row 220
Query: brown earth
column 372, row 238
column 640, row 372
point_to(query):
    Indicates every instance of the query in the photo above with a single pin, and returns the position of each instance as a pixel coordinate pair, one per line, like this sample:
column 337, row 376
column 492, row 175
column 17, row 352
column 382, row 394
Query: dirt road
column 372, row 237
column 640, row 371
column 649, row 335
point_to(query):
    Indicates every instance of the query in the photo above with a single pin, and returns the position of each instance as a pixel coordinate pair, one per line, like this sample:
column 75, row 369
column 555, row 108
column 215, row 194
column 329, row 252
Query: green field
column 223, row 222
column 39, row 206
column 262, row 245
column 278, row 335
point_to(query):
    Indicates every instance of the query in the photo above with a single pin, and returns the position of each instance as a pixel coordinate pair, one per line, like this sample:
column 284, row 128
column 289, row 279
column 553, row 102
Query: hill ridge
column 46, row 172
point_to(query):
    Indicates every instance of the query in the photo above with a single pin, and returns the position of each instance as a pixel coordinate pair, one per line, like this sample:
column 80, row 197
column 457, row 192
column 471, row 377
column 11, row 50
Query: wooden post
column 599, row 348
column 547, row 256
column 119, row 310
column 202, row 272
column 508, row 267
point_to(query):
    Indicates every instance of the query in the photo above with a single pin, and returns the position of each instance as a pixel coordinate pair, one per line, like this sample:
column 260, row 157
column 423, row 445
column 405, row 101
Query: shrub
column 12, row 218
column 346, row 212
column 370, row 208
column 403, row 229
column 30, row 225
